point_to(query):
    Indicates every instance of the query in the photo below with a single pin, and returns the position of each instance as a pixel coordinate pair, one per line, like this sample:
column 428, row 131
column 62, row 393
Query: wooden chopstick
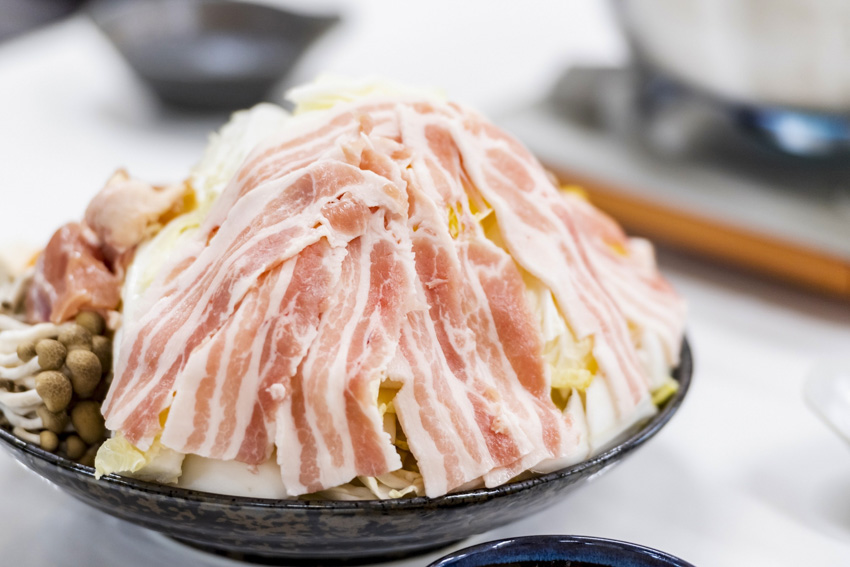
column 766, row 255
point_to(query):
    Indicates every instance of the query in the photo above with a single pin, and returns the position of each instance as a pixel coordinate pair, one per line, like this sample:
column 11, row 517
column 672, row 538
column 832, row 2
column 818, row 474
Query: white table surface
column 744, row 475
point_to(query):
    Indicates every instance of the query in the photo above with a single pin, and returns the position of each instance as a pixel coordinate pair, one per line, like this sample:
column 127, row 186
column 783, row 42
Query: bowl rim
column 564, row 547
column 638, row 437
column 107, row 13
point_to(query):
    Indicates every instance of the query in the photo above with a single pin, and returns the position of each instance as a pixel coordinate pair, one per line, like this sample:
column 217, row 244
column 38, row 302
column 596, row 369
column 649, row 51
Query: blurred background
column 719, row 128
column 75, row 109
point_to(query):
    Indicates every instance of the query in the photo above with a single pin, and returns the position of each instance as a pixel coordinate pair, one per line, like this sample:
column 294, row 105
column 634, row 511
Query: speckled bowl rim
column 550, row 548
column 682, row 374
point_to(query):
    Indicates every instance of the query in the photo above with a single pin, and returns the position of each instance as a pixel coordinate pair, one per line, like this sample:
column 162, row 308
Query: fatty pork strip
column 237, row 371
column 553, row 238
column 271, row 224
column 518, row 430
column 247, row 375
column 329, row 427
column 479, row 310
column 454, row 309
column 626, row 267
column 265, row 169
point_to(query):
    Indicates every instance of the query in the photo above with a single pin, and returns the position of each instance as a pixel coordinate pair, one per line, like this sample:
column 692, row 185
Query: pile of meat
column 348, row 250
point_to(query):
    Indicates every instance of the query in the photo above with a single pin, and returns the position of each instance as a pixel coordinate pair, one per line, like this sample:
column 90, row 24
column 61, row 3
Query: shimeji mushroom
column 11, row 338
column 55, row 422
column 91, row 321
column 16, row 420
column 85, row 370
column 43, row 366
column 27, row 436
column 26, row 351
column 17, row 401
column 19, row 372
column 51, row 354
column 75, row 336
column 12, row 358
column 49, row 440
column 19, row 408
column 10, row 323
column 102, row 347
column 55, row 389
column 17, row 338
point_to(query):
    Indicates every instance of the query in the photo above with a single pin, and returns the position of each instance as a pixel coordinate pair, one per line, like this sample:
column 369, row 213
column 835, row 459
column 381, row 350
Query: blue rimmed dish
column 558, row 551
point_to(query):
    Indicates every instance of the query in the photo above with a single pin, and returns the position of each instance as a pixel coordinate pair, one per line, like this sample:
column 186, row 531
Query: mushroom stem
column 21, row 371
column 27, row 436
column 18, row 411
column 18, row 400
column 9, row 340
column 10, row 323
column 18, row 420
column 9, row 359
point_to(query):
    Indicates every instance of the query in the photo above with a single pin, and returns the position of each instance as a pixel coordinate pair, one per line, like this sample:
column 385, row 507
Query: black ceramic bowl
column 207, row 54
column 556, row 551
column 330, row 531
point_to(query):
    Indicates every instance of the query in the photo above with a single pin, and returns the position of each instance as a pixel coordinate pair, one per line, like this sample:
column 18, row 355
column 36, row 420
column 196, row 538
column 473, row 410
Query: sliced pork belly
column 503, row 348
column 329, row 428
column 626, row 269
column 348, row 250
column 546, row 232
column 458, row 319
column 202, row 287
column 228, row 370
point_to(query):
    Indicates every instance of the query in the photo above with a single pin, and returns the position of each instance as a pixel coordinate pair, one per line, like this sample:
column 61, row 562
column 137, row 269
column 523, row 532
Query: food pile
column 379, row 295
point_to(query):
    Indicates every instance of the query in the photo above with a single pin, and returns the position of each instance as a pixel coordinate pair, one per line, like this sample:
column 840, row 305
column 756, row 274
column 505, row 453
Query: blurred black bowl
column 208, row 54
column 331, row 532
column 19, row 16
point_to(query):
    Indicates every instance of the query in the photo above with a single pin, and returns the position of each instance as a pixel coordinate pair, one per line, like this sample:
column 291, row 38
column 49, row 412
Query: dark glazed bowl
column 331, row 531
column 556, row 551
column 208, row 54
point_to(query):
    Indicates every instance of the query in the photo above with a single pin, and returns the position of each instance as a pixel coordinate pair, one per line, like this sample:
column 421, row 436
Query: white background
column 743, row 475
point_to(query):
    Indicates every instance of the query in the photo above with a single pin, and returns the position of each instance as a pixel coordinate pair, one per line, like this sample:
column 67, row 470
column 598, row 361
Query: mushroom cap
column 76, row 336
column 88, row 421
column 51, row 354
column 74, row 447
column 49, row 441
column 102, row 347
column 55, row 422
column 91, row 321
column 55, row 389
column 84, row 367
column 26, row 351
